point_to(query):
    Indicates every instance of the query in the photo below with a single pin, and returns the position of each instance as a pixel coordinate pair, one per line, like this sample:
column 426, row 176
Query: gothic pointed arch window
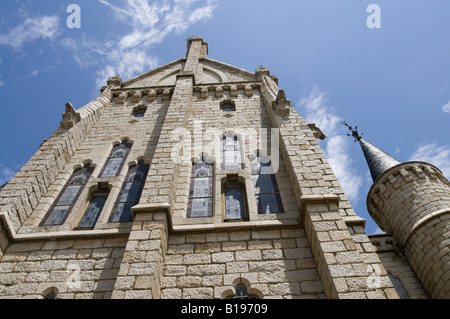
column 267, row 193
column 116, row 159
column 130, row 193
column 94, row 208
column 231, row 152
column 234, row 198
column 200, row 202
column 67, row 198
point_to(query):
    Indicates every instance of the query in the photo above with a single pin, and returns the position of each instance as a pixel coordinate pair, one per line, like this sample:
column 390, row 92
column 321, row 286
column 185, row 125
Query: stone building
column 198, row 180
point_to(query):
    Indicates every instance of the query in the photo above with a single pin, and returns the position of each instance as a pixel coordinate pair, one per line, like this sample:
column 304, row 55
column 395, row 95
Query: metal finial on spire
column 355, row 132
column 378, row 161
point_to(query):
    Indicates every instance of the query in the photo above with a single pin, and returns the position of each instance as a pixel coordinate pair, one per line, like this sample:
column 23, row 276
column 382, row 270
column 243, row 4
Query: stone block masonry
column 71, row 269
column 311, row 248
column 412, row 202
column 274, row 263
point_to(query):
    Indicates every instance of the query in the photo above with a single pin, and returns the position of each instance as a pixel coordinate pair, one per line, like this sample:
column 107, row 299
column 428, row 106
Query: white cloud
column 34, row 73
column 446, row 108
column 338, row 157
column 337, row 146
column 151, row 21
column 318, row 112
column 5, row 174
column 127, row 64
column 45, row 27
column 435, row 154
column 378, row 231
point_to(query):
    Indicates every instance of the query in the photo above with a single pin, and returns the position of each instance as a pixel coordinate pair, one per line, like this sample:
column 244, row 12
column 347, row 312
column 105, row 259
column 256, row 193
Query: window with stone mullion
column 130, row 193
column 200, row 203
column 68, row 197
column 116, row 160
column 231, row 153
column 267, row 193
column 94, row 209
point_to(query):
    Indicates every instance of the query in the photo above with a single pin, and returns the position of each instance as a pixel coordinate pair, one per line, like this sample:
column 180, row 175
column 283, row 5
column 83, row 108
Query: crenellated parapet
column 411, row 201
column 220, row 91
column 132, row 96
column 405, row 194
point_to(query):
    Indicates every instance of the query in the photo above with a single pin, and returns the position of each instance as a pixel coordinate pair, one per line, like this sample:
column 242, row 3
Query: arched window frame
column 242, row 289
column 130, row 193
column 116, row 159
column 66, row 200
column 399, row 287
column 242, row 293
column 50, row 293
column 231, row 153
column 265, row 185
column 201, row 191
column 234, row 199
column 94, row 207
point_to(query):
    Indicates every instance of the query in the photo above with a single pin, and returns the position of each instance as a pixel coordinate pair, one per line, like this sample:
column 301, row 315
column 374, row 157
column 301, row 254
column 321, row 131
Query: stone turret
column 411, row 201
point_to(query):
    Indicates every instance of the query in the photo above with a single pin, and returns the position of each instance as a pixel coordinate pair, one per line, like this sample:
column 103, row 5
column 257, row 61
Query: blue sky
column 392, row 82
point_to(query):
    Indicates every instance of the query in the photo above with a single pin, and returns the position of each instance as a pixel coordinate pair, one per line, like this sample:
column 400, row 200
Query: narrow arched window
column 242, row 293
column 398, row 285
column 116, row 159
column 67, row 198
column 130, row 193
column 268, row 197
column 200, row 202
column 231, row 153
column 50, row 296
column 94, row 208
column 234, row 199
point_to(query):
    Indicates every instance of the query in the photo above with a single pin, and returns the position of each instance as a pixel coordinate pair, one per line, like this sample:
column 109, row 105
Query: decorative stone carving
column 281, row 105
column 204, row 93
column 248, row 91
column 166, row 94
column 115, row 82
column 219, row 92
column 233, row 91
column 136, row 97
column 261, row 71
column 151, row 96
column 70, row 117
column 316, row 131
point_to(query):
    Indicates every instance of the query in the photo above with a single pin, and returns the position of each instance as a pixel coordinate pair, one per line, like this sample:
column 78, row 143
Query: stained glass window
column 94, row 209
column 234, row 203
column 268, row 197
column 116, row 159
column 130, row 193
column 231, row 153
column 67, row 198
column 200, row 202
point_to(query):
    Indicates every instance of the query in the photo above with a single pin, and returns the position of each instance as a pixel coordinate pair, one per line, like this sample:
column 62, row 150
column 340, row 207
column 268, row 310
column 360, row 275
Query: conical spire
column 378, row 160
